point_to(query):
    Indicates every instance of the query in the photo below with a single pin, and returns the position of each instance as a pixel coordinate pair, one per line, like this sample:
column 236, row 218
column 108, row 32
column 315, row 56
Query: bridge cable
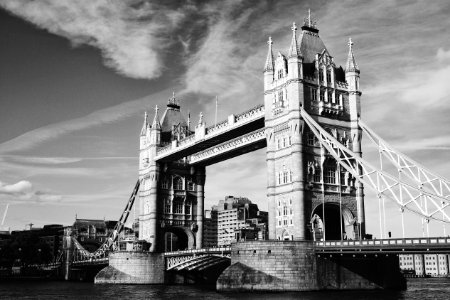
column 338, row 167
column 351, row 162
column 322, row 165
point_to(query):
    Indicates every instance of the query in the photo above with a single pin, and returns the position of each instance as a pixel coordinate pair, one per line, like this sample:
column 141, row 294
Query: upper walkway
column 235, row 127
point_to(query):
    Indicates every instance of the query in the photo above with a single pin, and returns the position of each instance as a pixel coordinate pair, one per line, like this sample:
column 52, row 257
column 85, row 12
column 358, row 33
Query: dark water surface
column 430, row 288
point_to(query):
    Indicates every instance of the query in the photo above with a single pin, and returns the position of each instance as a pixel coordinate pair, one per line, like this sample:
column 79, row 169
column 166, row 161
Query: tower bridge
column 311, row 126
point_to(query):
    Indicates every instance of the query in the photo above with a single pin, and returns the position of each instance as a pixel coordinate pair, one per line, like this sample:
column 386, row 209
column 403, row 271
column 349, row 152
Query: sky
column 77, row 76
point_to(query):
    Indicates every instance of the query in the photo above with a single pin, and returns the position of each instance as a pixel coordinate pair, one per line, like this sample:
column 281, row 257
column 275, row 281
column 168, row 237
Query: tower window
column 280, row 73
column 321, row 75
column 178, row 207
column 187, row 209
column 330, row 175
column 167, row 208
column 191, row 186
column 313, row 94
column 328, row 76
column 311, row 139
column 165, row 183
column 177, row 183
column 280, row 96
column 317, row 176
column 322, row 96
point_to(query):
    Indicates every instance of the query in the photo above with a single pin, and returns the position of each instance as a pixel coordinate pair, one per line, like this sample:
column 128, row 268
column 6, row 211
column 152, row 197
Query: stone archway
column 285, row 236
column 178, row 238
column 335, row 217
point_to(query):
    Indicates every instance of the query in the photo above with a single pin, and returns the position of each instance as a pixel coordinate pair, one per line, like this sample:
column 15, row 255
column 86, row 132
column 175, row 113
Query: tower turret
column 155, row 131
column 352, row 79
column 144, row 132
column 294, row 56
column 354, row 95
column 269, row 66
column 143, row 142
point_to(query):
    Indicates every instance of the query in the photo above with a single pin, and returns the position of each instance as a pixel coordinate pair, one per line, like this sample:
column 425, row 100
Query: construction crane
column 4, row 216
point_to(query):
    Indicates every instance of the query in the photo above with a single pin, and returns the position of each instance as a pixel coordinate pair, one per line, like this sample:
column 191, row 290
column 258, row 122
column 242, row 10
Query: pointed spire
column 293, row 50
column 145, row 125
column 156, row 124
column 351, row 63
column 269, row 61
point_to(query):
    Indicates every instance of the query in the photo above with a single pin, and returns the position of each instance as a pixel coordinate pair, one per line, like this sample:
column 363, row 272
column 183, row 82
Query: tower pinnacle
column 351, row 62
column 145, row 125
column 269, row 60
column 293, row 50
column 156, row 124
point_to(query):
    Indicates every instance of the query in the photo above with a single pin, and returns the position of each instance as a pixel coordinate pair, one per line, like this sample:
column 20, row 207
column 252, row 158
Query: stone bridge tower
column 171, row 195
column 310, row 196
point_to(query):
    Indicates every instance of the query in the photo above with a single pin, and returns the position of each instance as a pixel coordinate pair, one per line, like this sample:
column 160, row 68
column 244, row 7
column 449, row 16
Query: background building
column 233, row 219
column 210, row 228
column 434, row 265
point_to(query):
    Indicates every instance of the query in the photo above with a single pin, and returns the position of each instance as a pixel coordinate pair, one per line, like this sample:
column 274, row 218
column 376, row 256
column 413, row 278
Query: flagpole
column 215, row 118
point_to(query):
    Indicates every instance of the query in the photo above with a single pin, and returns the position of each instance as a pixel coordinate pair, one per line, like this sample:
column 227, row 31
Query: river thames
column 430, row 288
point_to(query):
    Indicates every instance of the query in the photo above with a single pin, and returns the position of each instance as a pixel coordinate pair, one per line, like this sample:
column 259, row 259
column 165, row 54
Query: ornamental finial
column 308, row 21
column 350, row 42
column 270, row 42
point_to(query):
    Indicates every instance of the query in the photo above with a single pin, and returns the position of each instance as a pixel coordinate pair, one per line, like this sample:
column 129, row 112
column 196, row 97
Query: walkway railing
column 199, row 251
column 431, row 245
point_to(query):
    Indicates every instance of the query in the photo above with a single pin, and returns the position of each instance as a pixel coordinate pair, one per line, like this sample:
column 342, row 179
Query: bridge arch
column 335, row 216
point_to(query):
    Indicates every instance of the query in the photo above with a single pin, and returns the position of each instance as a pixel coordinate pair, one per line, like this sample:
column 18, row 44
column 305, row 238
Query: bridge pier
column 295, row 266
column 200, row 206
column 133, row 267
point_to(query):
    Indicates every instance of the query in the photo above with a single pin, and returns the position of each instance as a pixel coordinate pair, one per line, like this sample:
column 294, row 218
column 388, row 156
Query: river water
column 418, row 288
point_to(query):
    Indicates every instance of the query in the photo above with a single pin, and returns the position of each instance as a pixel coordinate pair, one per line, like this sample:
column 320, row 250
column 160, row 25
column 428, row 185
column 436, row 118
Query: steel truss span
column 102, row 251
column 430, row 203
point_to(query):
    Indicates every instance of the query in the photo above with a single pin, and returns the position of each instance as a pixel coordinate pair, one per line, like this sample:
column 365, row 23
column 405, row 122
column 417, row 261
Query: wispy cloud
column 99, row 117
column 131, row 34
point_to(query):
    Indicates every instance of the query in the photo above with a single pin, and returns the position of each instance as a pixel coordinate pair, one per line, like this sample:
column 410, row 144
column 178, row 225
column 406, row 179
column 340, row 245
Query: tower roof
column 172, row 116
column 269, row 60
column 310, row 42
column 351, row 62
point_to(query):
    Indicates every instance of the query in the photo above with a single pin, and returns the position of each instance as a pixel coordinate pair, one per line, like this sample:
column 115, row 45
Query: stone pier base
column 133, row 268
column 294, row 266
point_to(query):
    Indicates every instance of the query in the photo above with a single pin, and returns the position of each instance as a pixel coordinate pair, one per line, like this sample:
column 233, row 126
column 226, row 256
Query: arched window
column 177, row 183
column 321, row 75
column 328, row 76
